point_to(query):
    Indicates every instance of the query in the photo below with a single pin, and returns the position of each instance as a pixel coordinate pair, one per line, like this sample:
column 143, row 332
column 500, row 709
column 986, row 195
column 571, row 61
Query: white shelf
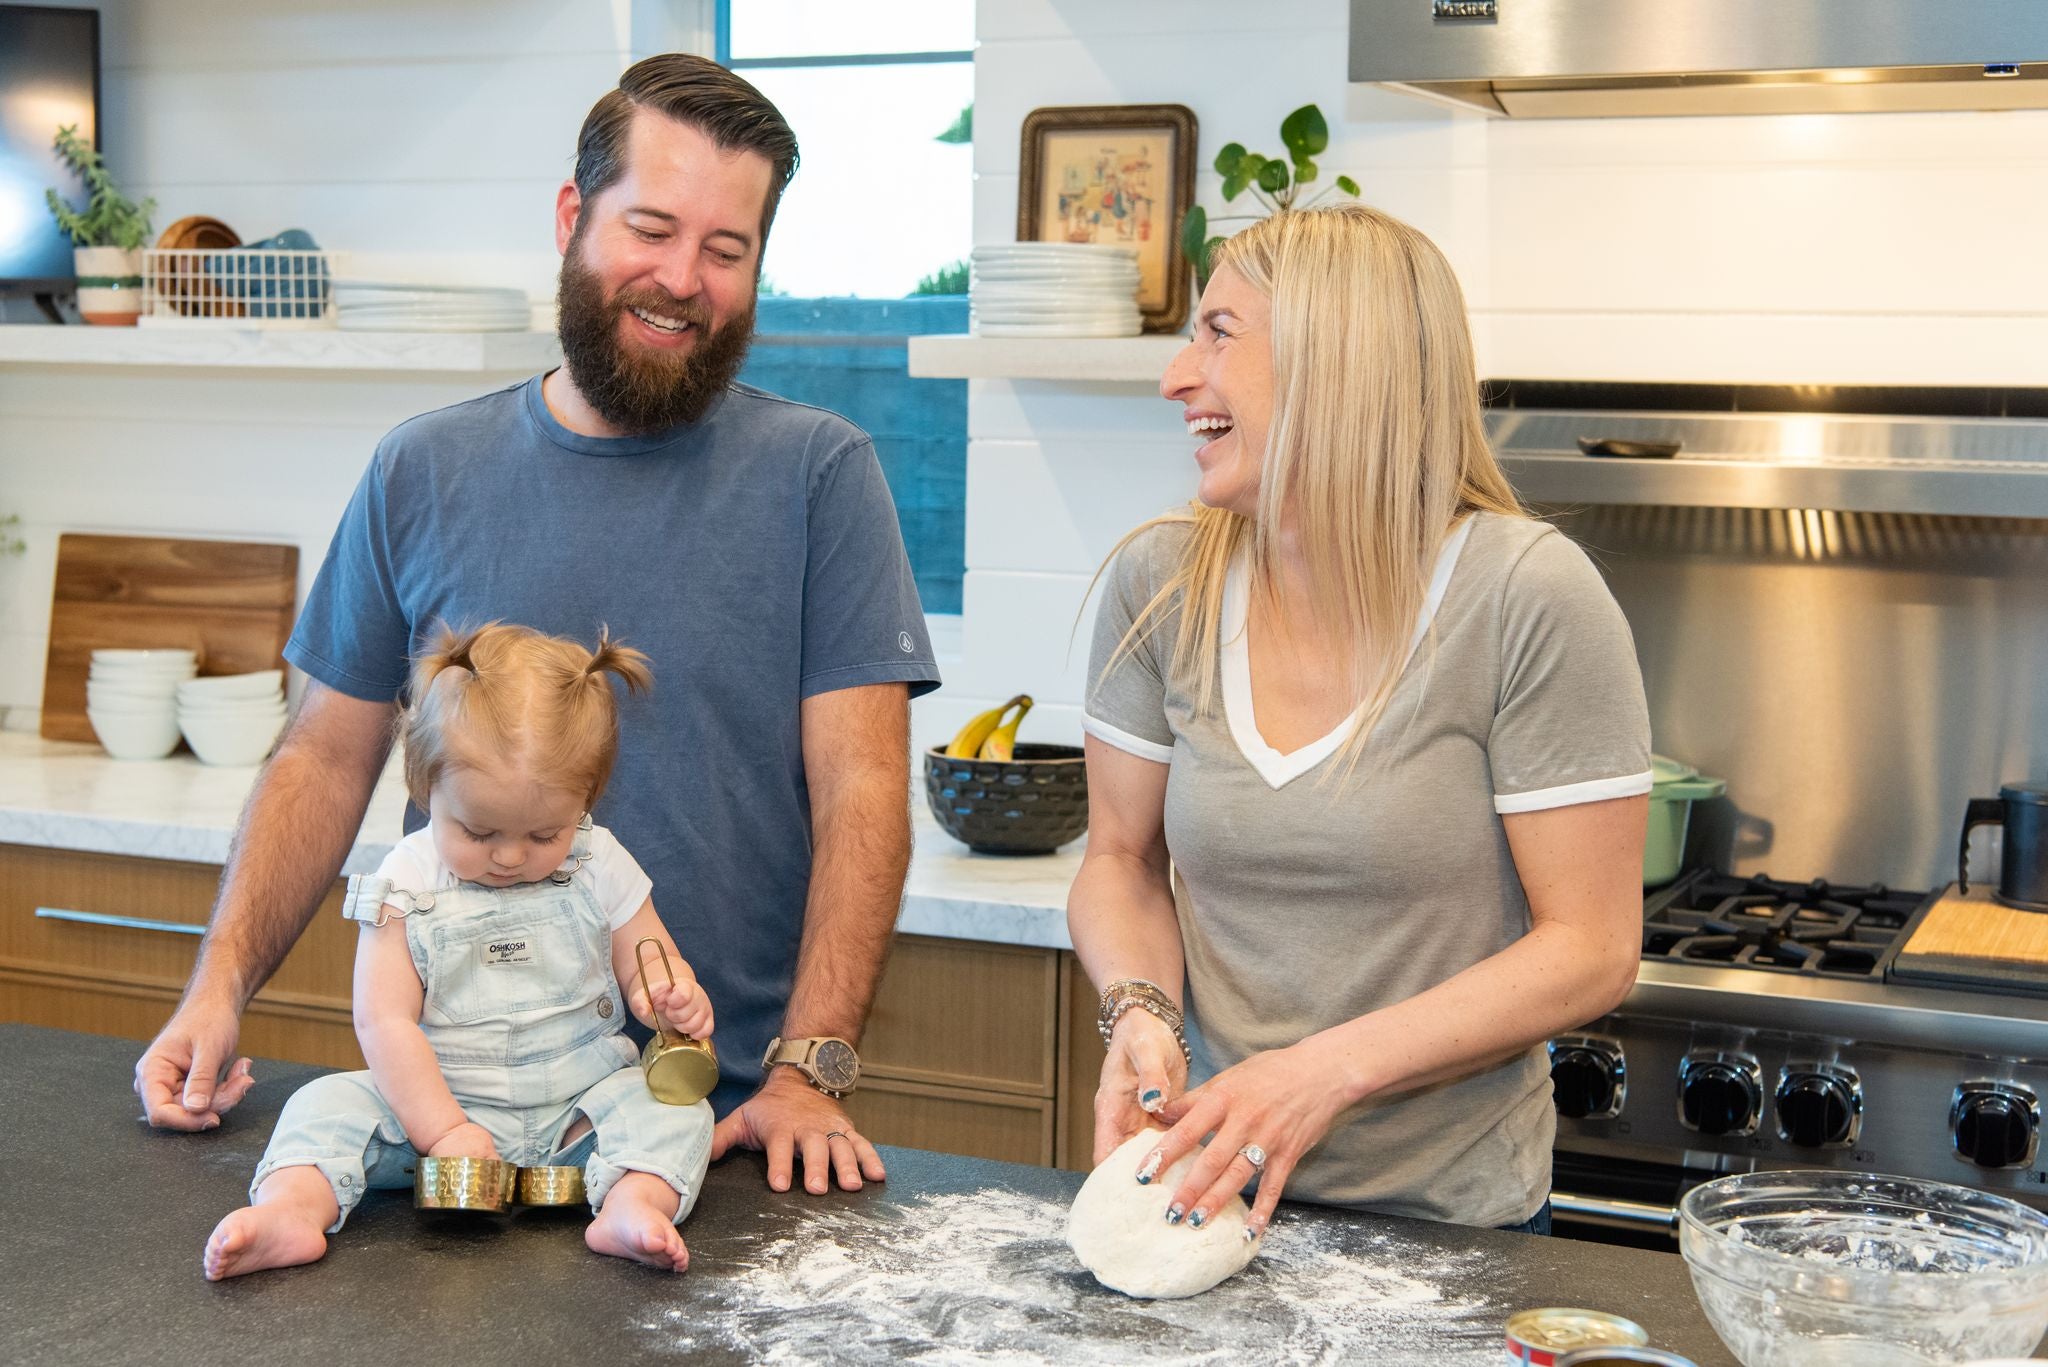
column 278, row 348
column 1113, row 360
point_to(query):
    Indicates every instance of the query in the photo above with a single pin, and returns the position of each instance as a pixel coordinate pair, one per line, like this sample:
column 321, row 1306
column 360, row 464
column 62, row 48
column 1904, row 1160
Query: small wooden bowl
column 478, row 1184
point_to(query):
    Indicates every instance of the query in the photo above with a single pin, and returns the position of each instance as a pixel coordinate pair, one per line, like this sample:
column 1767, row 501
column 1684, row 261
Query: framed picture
column 1122, row 173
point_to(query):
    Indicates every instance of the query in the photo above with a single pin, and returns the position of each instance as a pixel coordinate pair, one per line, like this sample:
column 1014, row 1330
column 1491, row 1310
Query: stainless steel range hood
column 1576, row 58
column 1957, row 452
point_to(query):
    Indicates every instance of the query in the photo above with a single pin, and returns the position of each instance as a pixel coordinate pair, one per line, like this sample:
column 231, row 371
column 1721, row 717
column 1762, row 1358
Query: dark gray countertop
column 952, row 1260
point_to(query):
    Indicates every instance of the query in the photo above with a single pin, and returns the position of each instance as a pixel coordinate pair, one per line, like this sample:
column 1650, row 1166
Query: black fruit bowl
column 1032, row 804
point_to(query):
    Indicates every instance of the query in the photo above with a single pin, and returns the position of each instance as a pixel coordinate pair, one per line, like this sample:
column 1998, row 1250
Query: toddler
column 492, row 946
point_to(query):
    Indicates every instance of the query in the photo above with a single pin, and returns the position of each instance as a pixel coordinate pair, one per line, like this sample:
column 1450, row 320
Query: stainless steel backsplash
column 1856, row 677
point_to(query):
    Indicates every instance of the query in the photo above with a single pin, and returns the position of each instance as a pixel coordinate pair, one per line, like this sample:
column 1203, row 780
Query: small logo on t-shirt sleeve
column 909, row 646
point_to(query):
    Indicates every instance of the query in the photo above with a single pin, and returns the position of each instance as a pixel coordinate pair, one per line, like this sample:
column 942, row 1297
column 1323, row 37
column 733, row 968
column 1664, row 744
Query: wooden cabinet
column 93, row 942
column 972, row 1048
column 982, row 1049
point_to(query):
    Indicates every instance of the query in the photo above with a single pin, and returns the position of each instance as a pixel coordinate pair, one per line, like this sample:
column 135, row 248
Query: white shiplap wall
column 426, row 137
column 433, row 132
column 1875, row 249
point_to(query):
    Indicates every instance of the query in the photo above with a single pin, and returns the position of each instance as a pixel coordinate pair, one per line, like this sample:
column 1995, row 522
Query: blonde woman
column 1367, row 757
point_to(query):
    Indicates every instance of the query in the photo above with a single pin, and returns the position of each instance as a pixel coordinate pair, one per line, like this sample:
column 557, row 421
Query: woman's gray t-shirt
column 1306, row 899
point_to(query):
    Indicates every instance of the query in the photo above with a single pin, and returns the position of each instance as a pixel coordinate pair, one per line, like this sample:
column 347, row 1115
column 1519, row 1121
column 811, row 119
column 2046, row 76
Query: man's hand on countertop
column 789, row 1116
column 179, row 1076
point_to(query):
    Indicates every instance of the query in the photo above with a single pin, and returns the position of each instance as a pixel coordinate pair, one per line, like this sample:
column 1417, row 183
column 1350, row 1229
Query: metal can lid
column 1619, row 1355
column 1556, row 1329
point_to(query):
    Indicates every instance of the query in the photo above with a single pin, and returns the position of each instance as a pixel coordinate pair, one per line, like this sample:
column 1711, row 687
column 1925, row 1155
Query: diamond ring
column 1254, row 1155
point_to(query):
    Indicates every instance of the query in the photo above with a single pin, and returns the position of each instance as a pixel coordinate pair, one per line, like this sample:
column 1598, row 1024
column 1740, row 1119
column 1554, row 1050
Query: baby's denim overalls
column 524, row 1013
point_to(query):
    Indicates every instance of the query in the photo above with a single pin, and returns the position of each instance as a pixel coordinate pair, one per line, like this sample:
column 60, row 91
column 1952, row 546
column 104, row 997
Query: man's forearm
column 295, row 831
column 860, row 853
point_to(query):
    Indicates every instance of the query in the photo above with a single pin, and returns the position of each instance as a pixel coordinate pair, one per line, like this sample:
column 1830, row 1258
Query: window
column 870, row 243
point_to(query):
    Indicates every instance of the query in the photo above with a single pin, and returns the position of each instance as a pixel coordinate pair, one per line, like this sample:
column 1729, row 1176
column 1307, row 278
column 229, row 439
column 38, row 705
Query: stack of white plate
column 1055, row 289
column 384, row 306
column 131, row 699
column 232, row 718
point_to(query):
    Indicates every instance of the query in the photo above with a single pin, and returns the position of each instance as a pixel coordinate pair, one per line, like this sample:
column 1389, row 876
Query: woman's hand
column 1284, row 1101
column 683, row 1008
column 467, row 1140
column 1144, row 1071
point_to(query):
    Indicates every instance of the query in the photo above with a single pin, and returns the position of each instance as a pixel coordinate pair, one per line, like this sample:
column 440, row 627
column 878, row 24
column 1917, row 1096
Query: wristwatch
column 826, row 1061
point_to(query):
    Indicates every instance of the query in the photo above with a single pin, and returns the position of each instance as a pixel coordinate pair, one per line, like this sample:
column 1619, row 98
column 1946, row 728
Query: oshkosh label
column 497, row 952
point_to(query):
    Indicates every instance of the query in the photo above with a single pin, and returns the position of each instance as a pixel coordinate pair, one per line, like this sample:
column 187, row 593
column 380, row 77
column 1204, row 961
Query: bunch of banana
column 989, row 736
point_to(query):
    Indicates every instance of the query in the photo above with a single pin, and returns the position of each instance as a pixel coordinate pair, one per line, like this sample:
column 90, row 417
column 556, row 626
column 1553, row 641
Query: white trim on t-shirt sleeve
column 1125, row 741
column 1571, row 794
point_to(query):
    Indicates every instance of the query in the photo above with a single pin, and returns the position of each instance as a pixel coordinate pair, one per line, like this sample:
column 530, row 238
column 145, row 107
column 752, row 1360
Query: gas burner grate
column 1826, row 929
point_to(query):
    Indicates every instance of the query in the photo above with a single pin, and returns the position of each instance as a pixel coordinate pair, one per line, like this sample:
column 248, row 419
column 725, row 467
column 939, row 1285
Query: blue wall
column 848, row 355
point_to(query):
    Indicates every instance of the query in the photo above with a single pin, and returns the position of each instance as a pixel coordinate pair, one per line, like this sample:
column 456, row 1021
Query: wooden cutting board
column 232, row 601
column 1977, row 940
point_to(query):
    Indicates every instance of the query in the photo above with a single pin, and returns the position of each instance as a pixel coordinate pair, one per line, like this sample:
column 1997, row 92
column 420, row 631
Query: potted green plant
column 106, row 237
column 1274, row 182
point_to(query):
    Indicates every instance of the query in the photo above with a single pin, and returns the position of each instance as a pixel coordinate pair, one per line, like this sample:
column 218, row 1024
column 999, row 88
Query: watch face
column 838, row 1066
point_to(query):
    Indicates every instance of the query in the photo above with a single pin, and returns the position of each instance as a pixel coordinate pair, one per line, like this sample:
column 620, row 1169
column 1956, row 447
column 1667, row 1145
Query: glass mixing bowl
column 1800, row 1269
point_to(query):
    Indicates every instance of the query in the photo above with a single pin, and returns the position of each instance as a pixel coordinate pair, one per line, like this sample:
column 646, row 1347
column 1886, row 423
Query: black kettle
column 2022, row 809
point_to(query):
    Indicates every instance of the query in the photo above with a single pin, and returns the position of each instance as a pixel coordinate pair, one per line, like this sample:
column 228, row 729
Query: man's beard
column 641, row 390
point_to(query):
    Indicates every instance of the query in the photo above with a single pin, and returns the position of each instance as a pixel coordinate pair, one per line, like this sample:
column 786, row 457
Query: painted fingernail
column 1250, row 1234
column 1197, row 1218
column 1151, row 1100
column 1173, row 1214
column 1150, row 1169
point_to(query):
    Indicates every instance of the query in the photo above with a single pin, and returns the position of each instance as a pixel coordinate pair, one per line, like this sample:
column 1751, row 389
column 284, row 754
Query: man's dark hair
column 692, row 90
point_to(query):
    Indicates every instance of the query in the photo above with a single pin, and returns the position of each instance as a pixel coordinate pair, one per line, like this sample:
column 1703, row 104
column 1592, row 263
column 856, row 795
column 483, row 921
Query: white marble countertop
column 69, row 796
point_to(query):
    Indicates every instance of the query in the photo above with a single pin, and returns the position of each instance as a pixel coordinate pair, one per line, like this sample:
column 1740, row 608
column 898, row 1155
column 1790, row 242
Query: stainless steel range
column 1772, row 1027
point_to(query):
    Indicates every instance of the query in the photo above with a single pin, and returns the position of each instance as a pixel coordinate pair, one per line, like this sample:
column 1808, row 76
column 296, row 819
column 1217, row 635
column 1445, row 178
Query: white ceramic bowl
column 155, row 669
column 127, row 695
column 233, row 707
column 231, row 740
column 135, row 735
column 240, row 716
column 154, row 656
column 263, row 683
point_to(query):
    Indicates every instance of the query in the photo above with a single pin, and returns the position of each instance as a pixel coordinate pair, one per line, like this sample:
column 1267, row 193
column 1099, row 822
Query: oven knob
column 1586, row 1078
column 1994, row 1125
column 1719, row 1096
column 1816, row 1110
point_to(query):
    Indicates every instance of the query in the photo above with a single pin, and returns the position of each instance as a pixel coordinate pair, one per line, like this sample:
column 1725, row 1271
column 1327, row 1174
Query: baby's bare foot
column 256, row 1237
column 629, row 1226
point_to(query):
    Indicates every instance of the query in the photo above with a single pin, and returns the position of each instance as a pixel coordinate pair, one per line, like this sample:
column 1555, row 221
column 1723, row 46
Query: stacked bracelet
column 1124, row 994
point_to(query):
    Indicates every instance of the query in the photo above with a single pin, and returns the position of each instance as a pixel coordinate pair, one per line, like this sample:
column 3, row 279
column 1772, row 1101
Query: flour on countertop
column 987, row 1277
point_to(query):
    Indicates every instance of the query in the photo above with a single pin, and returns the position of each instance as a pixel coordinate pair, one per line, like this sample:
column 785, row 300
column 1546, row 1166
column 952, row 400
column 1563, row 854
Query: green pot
column 1674, row 787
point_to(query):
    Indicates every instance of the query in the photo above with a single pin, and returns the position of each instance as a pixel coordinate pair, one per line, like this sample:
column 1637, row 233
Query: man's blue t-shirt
column 753, row 555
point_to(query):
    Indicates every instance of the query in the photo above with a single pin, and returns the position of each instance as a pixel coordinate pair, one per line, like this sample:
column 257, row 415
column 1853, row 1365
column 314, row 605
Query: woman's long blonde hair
column 502, row 695
column 1376, row 447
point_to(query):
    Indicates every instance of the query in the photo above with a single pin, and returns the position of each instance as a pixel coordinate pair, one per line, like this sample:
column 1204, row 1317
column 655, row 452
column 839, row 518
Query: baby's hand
column 683, row 1008
column 467, row 1140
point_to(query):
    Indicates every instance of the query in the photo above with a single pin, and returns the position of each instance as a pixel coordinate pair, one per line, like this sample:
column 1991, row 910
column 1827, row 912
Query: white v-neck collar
column 1277, row 769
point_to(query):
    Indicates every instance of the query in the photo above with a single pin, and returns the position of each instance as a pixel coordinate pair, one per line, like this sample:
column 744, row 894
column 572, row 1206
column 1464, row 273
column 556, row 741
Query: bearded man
column 748, row 544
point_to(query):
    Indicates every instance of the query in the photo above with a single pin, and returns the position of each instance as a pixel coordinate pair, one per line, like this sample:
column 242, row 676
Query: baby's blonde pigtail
column 630, row 665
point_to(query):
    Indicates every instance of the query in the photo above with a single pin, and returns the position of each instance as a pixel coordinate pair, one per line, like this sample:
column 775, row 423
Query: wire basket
column 239, row 286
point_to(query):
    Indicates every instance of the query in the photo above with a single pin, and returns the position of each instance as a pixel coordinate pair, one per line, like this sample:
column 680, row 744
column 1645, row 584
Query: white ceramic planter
column 109, row 284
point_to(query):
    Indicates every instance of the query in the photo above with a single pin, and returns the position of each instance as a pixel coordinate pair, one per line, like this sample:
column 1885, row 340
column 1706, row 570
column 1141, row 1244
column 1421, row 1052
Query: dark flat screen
column 49, row 67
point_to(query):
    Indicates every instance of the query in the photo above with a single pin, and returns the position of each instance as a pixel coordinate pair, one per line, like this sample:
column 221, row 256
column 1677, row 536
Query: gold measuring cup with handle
column 680, row 1070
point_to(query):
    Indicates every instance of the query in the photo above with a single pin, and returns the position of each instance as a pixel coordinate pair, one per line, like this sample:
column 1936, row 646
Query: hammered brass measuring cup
column 484, row 1184
column 680, row 1070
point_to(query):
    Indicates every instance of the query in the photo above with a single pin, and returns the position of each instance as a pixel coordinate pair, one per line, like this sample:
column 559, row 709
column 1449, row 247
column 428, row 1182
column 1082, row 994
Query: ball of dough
column 1118, row 1228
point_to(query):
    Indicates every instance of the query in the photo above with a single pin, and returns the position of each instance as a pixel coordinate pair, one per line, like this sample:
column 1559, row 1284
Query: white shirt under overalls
column 525, row 1017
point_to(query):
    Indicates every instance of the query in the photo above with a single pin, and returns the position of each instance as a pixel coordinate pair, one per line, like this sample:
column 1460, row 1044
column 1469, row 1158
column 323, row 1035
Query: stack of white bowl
column 1055, row 289
column 387, row 306
column 131, row 698
column 232, row 718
